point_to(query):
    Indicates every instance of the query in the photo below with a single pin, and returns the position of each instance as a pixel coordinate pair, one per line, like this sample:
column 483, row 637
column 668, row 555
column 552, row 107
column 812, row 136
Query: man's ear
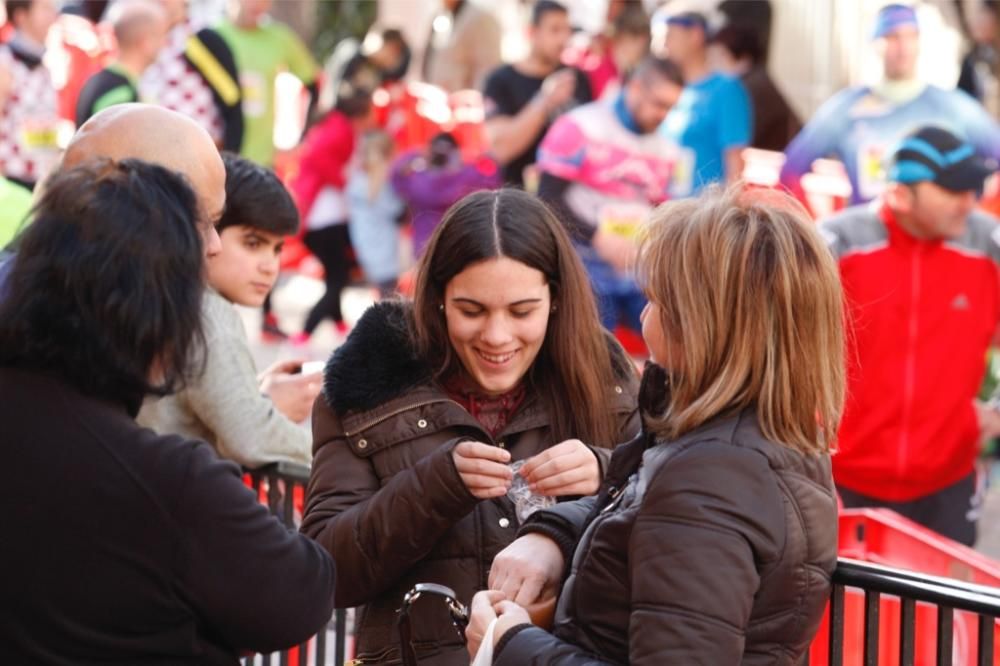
column 899, row 197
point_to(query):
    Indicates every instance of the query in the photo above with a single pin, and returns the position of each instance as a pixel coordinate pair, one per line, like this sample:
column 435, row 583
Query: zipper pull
column 612, row 496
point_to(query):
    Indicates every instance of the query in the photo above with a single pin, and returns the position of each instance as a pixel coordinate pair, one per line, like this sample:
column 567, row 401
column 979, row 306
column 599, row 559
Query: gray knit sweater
column 224, row 405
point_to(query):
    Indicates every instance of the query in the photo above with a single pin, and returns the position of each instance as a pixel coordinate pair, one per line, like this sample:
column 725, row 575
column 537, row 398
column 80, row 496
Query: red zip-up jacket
column 921, row 315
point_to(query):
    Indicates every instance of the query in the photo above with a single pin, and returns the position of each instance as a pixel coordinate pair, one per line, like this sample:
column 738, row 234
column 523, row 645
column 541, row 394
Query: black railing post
column 288, row 507
column 872, row 615
column 340, row 644
column 274, row 495
column 945, row 623
column 837, row 626
column 321, row 648
column 986, row 626
column 907, row 631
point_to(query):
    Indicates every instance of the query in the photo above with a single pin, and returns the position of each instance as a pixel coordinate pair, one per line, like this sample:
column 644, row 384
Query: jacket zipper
column 395, row 412
column 910, row 369
column 612, row 499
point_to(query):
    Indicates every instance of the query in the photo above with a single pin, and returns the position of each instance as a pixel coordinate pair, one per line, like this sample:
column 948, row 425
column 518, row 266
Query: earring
column 441, row 308
column 553, row 308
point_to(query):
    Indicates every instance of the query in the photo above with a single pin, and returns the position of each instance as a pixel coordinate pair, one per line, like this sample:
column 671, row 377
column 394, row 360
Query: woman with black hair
column 120, row 544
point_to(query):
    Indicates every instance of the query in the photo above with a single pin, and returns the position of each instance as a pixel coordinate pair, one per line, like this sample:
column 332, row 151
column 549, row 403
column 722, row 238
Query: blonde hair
column 749, row 298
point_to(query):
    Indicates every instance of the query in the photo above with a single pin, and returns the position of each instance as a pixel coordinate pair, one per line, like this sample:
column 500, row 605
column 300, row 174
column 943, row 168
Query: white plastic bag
column 484, row 657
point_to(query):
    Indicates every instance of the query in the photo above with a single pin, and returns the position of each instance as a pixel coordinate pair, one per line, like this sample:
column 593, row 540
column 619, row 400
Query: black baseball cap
column 936, row 155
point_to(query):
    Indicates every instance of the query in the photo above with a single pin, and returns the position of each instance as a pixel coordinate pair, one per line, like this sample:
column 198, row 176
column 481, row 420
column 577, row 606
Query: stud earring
column 553, row 309
column 441, row 308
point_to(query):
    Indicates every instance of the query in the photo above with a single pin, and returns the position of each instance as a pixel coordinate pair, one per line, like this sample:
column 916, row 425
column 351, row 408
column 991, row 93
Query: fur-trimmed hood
column 379, row 361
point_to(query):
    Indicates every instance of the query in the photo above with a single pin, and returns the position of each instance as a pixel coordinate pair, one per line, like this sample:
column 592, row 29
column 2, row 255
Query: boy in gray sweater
column 249, row 419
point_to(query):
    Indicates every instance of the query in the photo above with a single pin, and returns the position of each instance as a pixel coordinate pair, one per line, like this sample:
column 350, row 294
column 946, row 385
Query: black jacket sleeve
column 552, row 191
column 218, row 69
column 281, row 591
column 543, row 647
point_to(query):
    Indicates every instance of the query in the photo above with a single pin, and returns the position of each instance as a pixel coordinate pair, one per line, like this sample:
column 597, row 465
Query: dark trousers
column 951, row 511
column 330, row 245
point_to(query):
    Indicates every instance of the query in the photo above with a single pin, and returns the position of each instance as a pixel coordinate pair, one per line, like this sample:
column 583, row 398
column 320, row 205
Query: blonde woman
column 714, row 536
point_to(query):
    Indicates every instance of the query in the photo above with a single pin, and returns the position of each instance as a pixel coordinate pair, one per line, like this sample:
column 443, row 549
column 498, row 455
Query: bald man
column 164, row 137
column 141, row 31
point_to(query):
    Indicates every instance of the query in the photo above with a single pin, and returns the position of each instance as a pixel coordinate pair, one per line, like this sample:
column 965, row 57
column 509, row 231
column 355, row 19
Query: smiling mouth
column 497, row 359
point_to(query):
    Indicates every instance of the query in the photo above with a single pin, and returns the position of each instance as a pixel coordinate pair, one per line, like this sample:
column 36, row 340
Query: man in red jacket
column 921, row 276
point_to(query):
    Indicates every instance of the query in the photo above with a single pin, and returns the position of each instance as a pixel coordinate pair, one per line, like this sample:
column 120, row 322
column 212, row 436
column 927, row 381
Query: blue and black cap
column 687, row 20
column 892, row 17
column 936, row 155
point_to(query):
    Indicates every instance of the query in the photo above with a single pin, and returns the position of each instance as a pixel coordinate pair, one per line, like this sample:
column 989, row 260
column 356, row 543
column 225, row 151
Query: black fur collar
column 378, row 361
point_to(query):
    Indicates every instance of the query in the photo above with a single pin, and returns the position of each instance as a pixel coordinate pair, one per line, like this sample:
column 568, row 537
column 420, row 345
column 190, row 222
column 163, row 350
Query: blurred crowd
column 622, row 181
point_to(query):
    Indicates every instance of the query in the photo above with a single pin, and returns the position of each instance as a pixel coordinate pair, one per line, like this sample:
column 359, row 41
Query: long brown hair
column 573, row 371
column 750, row 302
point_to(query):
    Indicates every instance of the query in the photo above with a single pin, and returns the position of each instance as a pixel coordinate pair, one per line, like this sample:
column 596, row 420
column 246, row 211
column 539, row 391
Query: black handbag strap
column 459, row 617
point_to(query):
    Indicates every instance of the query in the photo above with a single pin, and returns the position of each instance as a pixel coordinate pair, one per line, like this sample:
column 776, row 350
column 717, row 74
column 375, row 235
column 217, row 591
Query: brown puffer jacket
column 385, row 498
column 716, row 549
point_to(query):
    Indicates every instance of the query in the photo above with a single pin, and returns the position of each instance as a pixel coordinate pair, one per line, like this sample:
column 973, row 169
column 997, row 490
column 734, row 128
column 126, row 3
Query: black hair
column 105, row 290
column 394, row 36
column 658, row 68
column 256, row 198
column 12, row 6
column 440, row 147
column 353, row 100
column 741, row 42
column 93, row 9
column 543, row 7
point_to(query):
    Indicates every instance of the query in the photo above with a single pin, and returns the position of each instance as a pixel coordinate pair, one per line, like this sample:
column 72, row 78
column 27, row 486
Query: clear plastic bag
column 525, row 501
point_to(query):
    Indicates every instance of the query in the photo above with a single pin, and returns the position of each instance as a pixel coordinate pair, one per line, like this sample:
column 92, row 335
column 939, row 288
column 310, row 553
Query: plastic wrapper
column 525, row 501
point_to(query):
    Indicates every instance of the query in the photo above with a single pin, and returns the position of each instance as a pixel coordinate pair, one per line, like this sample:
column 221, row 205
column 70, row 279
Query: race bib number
column 254, row 94
column 40, row 135
column 682, row 179
column 871, row 170
column 623, row 219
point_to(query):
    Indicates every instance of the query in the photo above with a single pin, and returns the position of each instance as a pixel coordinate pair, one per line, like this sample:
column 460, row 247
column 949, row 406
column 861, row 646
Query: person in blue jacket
column 861, row 124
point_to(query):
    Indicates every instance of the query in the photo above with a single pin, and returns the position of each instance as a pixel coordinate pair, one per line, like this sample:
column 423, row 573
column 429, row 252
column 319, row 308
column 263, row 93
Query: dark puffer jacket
column 385, row 498
column 716, row 548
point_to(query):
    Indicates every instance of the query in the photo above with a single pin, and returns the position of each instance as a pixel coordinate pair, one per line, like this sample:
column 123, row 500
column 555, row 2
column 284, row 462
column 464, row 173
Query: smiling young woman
column 501, row 358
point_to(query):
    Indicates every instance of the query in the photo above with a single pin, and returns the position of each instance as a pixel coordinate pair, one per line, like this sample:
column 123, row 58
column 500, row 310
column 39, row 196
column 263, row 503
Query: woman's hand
column 568, row 468
column 528, row 570
column 483, row 468
column 487, row 606
column 481, row 613
column 509, row 615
